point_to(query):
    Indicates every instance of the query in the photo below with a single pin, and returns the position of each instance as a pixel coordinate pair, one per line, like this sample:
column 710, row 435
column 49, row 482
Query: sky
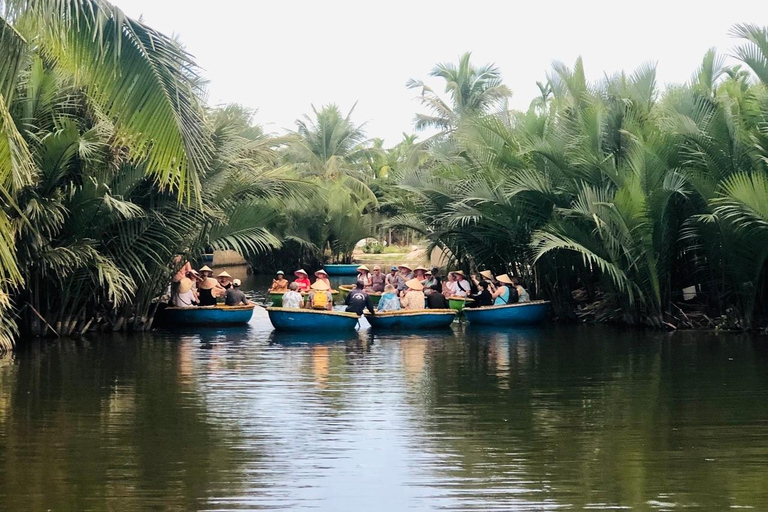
column 280, row 57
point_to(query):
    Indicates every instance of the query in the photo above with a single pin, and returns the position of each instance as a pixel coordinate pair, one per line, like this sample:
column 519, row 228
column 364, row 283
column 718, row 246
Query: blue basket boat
column 412, row 319
column 341, row 269
column 294, row 319
column 211, row 316
column 522, row 313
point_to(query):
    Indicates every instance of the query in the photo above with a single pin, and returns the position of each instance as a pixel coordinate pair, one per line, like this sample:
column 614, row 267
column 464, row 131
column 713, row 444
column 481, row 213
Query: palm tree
column 334, row 153
column 472, row 91
column 87, row 55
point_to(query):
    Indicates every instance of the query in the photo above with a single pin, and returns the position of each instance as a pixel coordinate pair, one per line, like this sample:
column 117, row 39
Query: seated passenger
column 235, row 296
column 364, row 276
column 322, row 275
column 522, row 293
column 506, row 293
column 208, row 288
column 319, row 297
column 377, row 280
column 225, row 280
column 357, row 301
column 461, row 285
column 414, row 296
column 484, row 298
column 185, row 295
column 437, row 300
column 389, row 300
column 292, row 298
column 302, row 280
column 280, row 284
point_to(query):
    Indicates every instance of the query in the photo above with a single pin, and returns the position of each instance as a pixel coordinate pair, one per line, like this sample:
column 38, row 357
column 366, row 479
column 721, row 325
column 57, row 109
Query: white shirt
column 460, row 288
column 184, row 300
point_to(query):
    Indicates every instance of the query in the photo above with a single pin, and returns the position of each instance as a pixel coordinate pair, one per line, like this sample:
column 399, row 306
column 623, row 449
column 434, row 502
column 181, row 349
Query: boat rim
column 516, row 305
column 350, row 287
column 344, row 314
column 413, row 312
column 212, row 308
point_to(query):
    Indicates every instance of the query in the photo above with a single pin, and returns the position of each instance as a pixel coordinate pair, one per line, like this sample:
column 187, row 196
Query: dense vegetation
column 608, row 198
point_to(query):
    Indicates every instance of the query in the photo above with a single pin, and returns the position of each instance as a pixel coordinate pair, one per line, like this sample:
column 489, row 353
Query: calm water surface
column 467, row 419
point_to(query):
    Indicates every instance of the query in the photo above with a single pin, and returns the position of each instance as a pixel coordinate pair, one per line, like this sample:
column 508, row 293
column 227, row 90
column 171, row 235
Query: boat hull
column 523, row 313
column 293, row 319
column 412, row 320
column 341, row 269
column 457, row 303
column 344, row 290
column 212, row 316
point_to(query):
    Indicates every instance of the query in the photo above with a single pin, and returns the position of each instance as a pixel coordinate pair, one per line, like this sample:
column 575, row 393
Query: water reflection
column 466, row 419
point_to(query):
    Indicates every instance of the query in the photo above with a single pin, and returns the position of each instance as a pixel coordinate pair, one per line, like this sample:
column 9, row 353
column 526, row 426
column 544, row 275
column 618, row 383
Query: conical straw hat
column 504, row 278
column 224, row 274
column 414, row 284
column 185, row 285
column 319, row 285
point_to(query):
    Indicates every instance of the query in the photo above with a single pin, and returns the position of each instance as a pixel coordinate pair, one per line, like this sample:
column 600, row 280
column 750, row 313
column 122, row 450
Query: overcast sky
column 281, row 57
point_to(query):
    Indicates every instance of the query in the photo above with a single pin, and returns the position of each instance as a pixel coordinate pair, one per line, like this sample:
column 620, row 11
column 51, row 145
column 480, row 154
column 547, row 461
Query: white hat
column 236, row 282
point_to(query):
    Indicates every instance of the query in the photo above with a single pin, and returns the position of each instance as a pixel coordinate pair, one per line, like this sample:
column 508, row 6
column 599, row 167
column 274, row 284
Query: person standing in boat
column 280, row 283
column 377, row 280
column 357, row 301
column 414, row 296
column 225, row 280
column 235, row 296
column 364, row 276
column 208, row 288
column 302, row 280
column 320, row 297
column 389, row 300
column 292, row 298
column 322, row 276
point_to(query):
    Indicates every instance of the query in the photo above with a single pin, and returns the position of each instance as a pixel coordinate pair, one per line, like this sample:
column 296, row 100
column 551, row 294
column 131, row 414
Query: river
column 556, row 417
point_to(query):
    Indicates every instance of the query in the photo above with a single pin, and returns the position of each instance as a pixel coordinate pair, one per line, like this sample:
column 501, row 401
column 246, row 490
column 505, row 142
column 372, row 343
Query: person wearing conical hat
column 320, row 297
column 506, row 293
column 322, row 275
column 413, row 298
column 461, row 286
column 225, row 280
column 419, row 272
column 208, row 288
column 483, row 298
column 485, row 276
column 364, row 276
column 186, row 295
column 280, row 283
column 302, row 279
column 405, row 274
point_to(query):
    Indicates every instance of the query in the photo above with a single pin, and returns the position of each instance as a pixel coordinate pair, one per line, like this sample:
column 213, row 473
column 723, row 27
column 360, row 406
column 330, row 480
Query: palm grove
column 607, row 198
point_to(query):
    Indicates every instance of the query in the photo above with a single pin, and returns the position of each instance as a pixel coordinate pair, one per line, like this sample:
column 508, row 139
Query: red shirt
column 303, row 283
